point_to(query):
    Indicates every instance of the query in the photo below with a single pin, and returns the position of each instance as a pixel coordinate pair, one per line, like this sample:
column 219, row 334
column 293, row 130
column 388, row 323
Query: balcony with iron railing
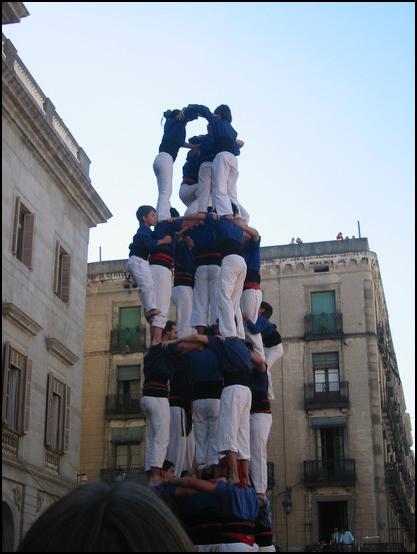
column 323, row 326
column 326, row 395
column 126, row 340
column 123, row 405
column 132, row 473
column 339, row 471
column 400, row 491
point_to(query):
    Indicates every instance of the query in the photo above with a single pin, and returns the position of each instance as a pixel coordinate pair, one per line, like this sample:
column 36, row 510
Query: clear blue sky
column 322, row 94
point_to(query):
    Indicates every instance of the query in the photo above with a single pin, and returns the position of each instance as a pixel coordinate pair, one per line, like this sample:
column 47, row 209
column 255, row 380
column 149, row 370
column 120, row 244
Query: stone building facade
column 48, row 208
column 339, row 450
column 340, row 440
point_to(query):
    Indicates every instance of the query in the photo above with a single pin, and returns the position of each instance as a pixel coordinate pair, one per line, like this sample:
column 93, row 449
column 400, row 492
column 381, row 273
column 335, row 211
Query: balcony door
column 128, row 384
column 330, row 446
column 129, row 328
column 323, row 310
column 330, row 516
column 326, row 373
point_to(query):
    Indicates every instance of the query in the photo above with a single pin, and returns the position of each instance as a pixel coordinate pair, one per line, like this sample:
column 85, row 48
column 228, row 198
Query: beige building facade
column 339, row 449
column 341, row 437
column 48, row 208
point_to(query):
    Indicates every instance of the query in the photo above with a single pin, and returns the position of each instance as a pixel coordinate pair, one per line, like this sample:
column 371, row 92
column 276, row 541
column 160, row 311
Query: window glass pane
column 128, row 373
column 134, row 455
column 333, row 378
column 121, row 455
column 129, row 318
column 55, row 421
column 323, row 302
column 319, row 380
column 12, row 398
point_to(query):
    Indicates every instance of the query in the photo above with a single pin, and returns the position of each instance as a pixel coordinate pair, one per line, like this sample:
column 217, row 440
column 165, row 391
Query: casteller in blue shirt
column 234, row 359
column 174, row 131
column 221, row 128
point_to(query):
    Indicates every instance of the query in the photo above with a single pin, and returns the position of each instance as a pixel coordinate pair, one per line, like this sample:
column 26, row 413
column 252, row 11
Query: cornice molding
column 60, row 351
column 42, row 138
column 19, row 318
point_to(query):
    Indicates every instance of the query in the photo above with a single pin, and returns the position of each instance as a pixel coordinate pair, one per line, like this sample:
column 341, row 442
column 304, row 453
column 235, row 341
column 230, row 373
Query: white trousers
column 271, row 356
column 270, row 548
column 157, row 414
column 244, row 214
column 205, row 186
column 181, row 448
column 162, row 281
column 225, row 174
column 163, row 167
column 250, row 302
column 260, row 426
column 182, row 297
column 141, row 273
column 206, row 423
column 205, row 310
column 238, row 547
column 232, row 277
column 234, row 429
column 188, row 193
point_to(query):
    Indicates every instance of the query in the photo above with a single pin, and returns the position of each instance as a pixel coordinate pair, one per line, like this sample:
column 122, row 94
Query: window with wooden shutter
column 23, row 232
column 16, row 390
column 57, row 415
column 326, row 372
column 62, row 273
column 6, row 361
column 27, row 240
column 27, row 398
column 65, row 278
column 48, row 410
column 67, row 418
column 16, row 223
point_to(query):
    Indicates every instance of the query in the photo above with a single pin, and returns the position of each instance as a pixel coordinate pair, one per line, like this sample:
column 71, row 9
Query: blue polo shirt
column 191, row 167
column 184, row 265
column 234, row 359
column 163, row 254
column 252, row 255
column 205, row 369
column 158, row 369
column 236, row 502
column 223, row 133
column 205, row 147
column 229, row 235
column 206, row 245
column 268, row 330
column 142, row 243
column 258, row 385
column 174, row 133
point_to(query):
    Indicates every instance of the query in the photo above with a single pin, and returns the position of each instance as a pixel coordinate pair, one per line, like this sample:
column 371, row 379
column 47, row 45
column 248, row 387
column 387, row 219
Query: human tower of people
column 207, row 387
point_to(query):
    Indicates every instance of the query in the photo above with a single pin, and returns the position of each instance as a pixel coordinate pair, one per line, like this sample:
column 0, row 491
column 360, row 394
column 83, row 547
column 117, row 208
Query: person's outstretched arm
column 196, row 484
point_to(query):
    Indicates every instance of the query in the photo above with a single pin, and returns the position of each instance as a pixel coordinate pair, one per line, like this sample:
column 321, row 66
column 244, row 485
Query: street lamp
column 82, row 478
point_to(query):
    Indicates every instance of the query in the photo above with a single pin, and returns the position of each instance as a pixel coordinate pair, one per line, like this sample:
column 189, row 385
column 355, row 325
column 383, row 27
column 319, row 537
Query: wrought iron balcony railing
column 326, row 395
column 320, row 326
column 125, row 340
column 400, row 493
column 339, row 471
column 133, row 473
column 123, row 405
